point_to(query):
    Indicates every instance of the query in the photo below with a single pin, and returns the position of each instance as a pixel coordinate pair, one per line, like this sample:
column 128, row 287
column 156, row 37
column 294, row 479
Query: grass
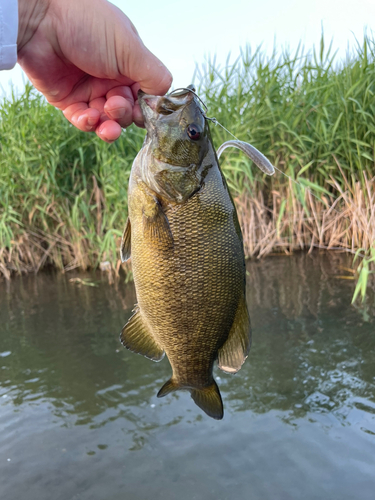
column 63, row 193
column 314, row 117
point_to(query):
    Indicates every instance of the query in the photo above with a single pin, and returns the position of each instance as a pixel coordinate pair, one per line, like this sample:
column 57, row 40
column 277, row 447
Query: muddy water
column 79, row 417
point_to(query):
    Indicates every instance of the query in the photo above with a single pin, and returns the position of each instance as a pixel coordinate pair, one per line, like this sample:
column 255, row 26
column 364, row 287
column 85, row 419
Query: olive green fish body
column 189, row 272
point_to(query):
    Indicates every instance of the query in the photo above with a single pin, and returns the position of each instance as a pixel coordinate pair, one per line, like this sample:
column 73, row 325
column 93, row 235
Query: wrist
column 30, row 15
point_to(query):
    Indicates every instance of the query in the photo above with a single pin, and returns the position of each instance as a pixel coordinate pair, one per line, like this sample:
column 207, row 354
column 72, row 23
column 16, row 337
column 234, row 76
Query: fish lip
column 142, row 95
column 144, row 103
column 147, row 103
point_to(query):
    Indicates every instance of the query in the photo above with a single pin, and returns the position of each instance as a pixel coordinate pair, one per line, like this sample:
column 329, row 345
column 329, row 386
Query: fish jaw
column 154, row 105
column 176, row 128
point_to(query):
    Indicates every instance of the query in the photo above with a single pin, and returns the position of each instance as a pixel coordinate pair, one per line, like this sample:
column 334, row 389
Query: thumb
column 139, row 64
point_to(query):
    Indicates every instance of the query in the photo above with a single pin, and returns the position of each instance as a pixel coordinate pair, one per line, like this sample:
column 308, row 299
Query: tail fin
column 209, row 399
column 168, row 387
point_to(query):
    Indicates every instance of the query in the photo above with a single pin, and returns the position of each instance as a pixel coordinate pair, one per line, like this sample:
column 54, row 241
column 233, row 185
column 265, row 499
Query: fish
column 185, row 243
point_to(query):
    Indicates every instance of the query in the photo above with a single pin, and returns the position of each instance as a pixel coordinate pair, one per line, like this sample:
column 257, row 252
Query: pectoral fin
column 125, row 249
column 155, row 222
column 236, row 349
column 136, row 337
column 156, row 227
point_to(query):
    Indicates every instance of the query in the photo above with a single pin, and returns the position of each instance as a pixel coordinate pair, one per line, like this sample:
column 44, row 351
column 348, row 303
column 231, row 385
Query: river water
column 79, row 417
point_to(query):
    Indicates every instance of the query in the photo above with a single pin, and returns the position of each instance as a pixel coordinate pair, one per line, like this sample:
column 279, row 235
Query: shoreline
column 281, row 225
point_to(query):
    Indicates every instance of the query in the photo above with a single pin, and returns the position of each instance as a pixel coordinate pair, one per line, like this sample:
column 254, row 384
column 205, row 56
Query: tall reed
column 314, row 117
column 63, row 194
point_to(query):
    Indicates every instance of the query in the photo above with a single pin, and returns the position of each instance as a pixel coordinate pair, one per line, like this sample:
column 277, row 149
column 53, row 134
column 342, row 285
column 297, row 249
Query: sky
column 184, row 34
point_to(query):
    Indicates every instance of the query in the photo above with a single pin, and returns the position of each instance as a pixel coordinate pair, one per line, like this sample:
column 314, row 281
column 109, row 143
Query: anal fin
column 136, row 337
column 237, row 346
column 125, row 249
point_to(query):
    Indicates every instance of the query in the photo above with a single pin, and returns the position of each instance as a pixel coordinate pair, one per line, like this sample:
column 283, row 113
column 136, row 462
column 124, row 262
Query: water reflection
column 312, row 352
column 80, row 418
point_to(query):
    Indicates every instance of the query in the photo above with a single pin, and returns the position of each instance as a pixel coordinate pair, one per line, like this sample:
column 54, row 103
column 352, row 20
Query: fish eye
column 194, row 132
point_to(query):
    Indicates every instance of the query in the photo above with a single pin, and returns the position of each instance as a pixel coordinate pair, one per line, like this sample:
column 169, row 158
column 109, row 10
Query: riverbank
column 63, row 194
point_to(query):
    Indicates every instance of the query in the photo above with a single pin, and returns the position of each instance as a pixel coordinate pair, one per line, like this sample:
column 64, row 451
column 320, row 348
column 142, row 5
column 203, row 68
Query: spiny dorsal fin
column 236, row 349
column 209, row 399
column 136, row 337
column 125, row 249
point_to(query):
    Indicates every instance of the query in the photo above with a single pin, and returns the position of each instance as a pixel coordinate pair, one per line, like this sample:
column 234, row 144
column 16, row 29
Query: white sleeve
column 8, row 33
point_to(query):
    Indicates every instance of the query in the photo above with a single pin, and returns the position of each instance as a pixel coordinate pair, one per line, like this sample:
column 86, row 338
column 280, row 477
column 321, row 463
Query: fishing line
column 216, row 122
column 190, row 88
column 330, row 207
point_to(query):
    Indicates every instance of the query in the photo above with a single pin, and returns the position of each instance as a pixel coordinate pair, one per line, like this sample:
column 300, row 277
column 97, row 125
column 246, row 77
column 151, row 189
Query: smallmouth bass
column 185, row 242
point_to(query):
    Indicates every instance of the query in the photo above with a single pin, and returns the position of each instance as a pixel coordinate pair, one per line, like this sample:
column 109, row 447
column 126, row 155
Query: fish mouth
column 169, row 108
column 141, row 94
column 176, row 100
column 147, row 99
column 175, row 93
column 148, row 104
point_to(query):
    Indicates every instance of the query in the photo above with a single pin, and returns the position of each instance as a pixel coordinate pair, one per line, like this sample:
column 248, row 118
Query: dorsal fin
column 236, row 349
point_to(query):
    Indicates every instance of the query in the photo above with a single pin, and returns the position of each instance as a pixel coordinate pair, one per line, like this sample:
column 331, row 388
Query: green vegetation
column 314, row 117
column 363, row 272
column 63, row 193
column 305, row 112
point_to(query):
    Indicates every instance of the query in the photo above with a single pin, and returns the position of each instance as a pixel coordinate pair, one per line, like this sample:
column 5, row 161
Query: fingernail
column 117, row 113
column 92, row 121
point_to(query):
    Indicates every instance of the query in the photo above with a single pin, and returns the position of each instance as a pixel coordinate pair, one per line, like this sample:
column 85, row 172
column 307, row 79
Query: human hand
column 87, row 59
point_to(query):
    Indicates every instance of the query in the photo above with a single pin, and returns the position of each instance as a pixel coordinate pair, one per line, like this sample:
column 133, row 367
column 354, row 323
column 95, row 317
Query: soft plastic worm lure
column 256, row 156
